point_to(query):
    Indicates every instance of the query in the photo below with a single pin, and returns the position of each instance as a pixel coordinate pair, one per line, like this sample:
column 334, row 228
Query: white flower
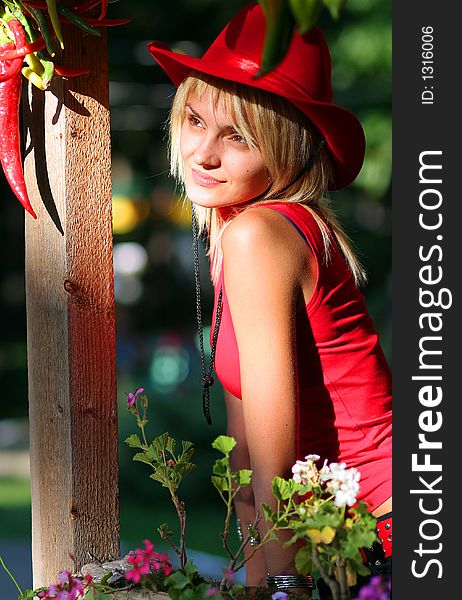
column 305, row 472
column 343, row 483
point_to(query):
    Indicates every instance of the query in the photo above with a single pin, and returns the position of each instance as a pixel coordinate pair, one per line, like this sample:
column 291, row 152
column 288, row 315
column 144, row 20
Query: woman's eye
column 238, row 138
column 194, row 121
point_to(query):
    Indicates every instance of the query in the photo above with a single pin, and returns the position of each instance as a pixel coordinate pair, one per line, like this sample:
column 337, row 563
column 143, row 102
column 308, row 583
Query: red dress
column 344, row 382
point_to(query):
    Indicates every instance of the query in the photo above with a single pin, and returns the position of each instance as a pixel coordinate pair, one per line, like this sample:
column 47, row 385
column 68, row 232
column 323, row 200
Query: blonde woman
column 293, row 344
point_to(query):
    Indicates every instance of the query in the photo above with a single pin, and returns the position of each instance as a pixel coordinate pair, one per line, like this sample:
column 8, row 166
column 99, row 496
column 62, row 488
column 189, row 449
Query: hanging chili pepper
column 10, row 95
column 39, row 44
column 70, row 71
column 53, row 12
column 42, row 23
column 76, row 20
column 103, row 12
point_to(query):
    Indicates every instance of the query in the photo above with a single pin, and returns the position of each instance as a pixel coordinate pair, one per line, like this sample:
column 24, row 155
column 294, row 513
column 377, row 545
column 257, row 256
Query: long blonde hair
column 286, row 140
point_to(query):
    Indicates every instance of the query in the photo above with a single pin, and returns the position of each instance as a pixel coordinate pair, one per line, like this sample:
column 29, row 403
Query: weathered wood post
column 70, row 316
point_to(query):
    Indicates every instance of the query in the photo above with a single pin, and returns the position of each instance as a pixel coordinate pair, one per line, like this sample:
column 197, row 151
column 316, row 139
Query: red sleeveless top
column 344, row 382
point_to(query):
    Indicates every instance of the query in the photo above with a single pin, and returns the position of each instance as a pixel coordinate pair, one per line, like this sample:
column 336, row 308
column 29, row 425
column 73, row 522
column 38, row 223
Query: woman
column 299, row 360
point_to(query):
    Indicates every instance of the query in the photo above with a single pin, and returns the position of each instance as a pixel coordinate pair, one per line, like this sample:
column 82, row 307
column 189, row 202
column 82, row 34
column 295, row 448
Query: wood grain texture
column 70, row 317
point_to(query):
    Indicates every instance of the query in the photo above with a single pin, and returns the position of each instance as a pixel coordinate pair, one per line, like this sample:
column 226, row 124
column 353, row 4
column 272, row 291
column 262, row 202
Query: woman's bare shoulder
column 260, row 235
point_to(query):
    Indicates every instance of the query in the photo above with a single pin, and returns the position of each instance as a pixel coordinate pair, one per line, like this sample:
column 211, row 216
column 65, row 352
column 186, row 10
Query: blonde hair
column 286, row 140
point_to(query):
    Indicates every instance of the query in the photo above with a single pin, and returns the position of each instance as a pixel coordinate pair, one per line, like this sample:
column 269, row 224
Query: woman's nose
column 207, row 153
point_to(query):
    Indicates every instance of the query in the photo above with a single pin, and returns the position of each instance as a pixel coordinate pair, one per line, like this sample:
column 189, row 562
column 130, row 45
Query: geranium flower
column 68, row 588
column 305, row 472
column 343, row 483
column 377, row 589
column 143, row 560
column 132, row 397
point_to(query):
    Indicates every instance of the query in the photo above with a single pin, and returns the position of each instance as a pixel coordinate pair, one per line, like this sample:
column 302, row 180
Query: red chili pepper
column 70, row 71
column 39, row 44
column 103, row 12
column 86, row 6
column 10, row 96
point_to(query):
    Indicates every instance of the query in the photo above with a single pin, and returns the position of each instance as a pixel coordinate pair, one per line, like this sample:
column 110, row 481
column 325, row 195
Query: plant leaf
column 243, row 476
column 303, row 562
column 224, row 443
column 142, row 457
column 134, row 441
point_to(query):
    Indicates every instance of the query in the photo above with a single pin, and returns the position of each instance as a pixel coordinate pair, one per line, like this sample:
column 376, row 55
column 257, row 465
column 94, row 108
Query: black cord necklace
column 207, row 378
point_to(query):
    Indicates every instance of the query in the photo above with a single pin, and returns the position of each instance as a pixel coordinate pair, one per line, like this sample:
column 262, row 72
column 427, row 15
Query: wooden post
column 70, row 316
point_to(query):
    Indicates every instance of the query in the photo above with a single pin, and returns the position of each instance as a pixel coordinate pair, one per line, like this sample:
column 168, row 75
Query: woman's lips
column 204, row 179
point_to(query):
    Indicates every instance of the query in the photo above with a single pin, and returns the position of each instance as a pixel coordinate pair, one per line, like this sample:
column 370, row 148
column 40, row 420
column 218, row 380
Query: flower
column 143, row 560
column 305, row 472
column 279, row 596
column 378, row 588
column 132, row 397
column 211, row 592
column 343, row 483
column 228, row 574
column 68, row 588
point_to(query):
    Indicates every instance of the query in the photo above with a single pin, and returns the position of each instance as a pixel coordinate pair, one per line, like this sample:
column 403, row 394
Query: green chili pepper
column 48, row 71
column 68, row 14
column 15, row 10
column 280, row 24
column 42, row 23
column 52, row 11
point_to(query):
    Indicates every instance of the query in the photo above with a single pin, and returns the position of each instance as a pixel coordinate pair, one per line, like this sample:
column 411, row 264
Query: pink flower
column 211, row 592
column 228, row 574
column 133, row 397
column 68, row 588
column 143, row 560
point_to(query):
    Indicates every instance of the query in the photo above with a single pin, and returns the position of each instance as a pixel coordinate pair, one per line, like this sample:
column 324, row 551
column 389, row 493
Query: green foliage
column 224, row 444
column 186, row 584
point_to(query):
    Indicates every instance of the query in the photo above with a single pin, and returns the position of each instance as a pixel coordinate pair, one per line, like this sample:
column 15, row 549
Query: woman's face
column 220, row 168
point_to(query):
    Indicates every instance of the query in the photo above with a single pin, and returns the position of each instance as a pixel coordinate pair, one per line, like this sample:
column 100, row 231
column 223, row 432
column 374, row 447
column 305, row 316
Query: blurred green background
column 156, row 332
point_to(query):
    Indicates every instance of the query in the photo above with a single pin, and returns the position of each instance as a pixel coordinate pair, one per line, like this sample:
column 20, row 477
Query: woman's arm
column 263, row 270
column 244, row 502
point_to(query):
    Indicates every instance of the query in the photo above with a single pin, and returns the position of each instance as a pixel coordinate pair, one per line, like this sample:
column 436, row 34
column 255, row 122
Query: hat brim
column 340, row 128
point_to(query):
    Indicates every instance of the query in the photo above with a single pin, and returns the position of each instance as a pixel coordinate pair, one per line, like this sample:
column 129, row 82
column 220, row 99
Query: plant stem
column 342, row 579
column 2, row 562
column 334, row 587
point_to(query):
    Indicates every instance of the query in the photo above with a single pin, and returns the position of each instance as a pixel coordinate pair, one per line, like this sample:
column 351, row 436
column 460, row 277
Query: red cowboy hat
column 303, row 78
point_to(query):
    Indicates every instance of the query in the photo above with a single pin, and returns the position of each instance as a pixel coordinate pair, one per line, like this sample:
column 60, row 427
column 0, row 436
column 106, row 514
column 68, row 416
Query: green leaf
column 243, row 476
column 134, row 441
column 186, row 445
column 221, row 466
column 177, row 580
column 334, row 7
column 306, row 13
column 95, row 594
column 142, row 457
column 268, row 512
column 224, row 443
column 284, row 489
column 190, row 569
column 160, row 442
column 303, row 562
column 220, row 483
column 171, row 442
